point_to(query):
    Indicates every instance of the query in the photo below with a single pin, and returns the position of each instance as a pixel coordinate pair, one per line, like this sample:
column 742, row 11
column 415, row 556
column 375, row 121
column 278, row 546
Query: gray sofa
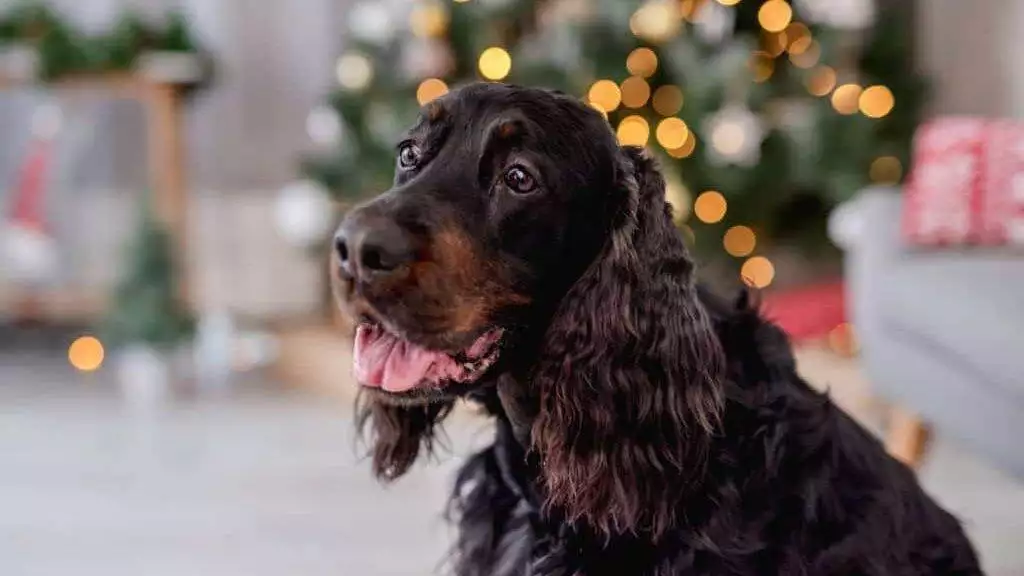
column 941, row 331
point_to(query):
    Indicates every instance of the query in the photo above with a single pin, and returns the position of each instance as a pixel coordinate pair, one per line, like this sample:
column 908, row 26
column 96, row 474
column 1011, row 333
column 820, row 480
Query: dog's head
column 501, row 196
column 521, row 242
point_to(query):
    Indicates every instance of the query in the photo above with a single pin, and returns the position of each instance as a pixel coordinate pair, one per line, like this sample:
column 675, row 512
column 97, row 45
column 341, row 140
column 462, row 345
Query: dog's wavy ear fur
column 629, row 375
column 397, row 434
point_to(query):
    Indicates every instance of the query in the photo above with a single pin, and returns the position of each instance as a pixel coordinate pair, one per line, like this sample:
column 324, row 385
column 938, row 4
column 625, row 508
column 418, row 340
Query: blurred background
column 175, row 387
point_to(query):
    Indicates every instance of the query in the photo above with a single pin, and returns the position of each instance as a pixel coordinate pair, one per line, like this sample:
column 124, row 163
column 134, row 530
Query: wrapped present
column 967, row 184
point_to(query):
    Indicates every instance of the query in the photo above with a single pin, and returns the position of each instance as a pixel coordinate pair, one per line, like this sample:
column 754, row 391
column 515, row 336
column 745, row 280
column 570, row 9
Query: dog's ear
column 397, row 434
column 630, row 373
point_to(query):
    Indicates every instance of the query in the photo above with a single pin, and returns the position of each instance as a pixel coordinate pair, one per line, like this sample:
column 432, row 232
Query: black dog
column 525, row 261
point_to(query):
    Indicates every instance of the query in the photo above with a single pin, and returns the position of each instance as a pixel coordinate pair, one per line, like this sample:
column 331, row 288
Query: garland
column 58, row 50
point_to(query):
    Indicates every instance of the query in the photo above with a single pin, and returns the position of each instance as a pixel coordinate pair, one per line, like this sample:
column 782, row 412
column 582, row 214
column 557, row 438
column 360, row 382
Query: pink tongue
column 384, row 361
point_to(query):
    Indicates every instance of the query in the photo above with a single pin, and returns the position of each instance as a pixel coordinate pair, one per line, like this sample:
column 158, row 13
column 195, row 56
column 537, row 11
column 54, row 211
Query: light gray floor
column 267, row 483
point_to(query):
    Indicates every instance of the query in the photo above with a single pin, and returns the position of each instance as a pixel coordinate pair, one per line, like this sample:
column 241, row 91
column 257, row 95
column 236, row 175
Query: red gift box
column 967, row 184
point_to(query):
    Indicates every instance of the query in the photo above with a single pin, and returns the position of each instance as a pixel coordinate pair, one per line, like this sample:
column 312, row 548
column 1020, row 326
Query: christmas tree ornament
column 372, row 22
column 841, row 14
column 303, row 213
column 425, row 58
column 324, row 126
column 354, row 71
column 428, row 20
column 735, row 135
column 714, row 22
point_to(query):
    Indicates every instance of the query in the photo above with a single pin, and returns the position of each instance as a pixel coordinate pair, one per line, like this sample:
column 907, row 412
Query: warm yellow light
column 667, row 100
column 495, row 63
column 605, row 95
column 602, row 111
column 808, row 57
column 635, row 92
column 758, row 271
column 728, row 138
column 798, row 35
column 886, row 170
column 354, row 71
column 686, row 149
column 642, row 62
column 876, row 101
column 821, row 81
column 679, row 198
column 762, row 66
column 728, row 2
column 739, row 241
column 710, row 207
column 656, row 20
column 86, row 354
column 774, row 43
column 430, row 89
column 633, row 131
column 672, row 133
column 846, row 99
column 775, row 15
column 429, row 20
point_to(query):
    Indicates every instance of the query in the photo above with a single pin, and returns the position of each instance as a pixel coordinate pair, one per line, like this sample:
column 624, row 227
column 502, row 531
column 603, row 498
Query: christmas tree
column 146, row 308
column 766, row 114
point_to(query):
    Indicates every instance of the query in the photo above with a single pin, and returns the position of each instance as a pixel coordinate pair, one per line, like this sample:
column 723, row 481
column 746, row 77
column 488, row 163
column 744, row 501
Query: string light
column 633, row 131
column 758, row 272
column 495, row 63
column 728, row 2
column 672, row 133
column 635, row 92
column 686, row 149
column 821, row 81
column 667, row 100
column 354, row 71
column 728, row 138
column 599, row 109
column 605, row 95
column 739, row 241
column 876, row 101
column 775, row 15
column 430, row 89
column 710, row 207
column 846, row 98
column 428, row 20
column 656, row 20
column 886, row 170
column 642, row 62
column 799, row 37
column 762, row 66
column 774, row 43
column 808, row 57
column 86, row 353
column 678, row 197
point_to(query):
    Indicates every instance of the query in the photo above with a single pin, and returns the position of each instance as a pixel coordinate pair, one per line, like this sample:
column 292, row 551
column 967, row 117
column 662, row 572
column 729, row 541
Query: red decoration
column 808, row 312
column 967, row 184
column 27, row 208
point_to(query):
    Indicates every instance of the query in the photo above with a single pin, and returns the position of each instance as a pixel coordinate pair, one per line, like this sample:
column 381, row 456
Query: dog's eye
column 409, row 156
column 519, row 180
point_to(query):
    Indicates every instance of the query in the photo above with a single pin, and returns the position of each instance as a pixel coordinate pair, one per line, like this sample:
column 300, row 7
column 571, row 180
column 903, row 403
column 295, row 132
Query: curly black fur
column 645, row 426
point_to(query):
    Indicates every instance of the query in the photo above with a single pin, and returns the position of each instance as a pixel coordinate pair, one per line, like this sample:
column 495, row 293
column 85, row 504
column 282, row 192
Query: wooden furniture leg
column 167, row 170
column 907, row 437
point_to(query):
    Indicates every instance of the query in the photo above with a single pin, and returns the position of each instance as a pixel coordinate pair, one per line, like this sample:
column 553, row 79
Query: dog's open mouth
column 384, row 360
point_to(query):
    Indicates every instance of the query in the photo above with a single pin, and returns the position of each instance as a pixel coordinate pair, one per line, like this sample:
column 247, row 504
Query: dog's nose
column 368, row 247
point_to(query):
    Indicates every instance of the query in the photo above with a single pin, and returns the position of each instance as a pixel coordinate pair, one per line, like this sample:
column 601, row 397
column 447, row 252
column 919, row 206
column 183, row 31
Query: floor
column 267, row 482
